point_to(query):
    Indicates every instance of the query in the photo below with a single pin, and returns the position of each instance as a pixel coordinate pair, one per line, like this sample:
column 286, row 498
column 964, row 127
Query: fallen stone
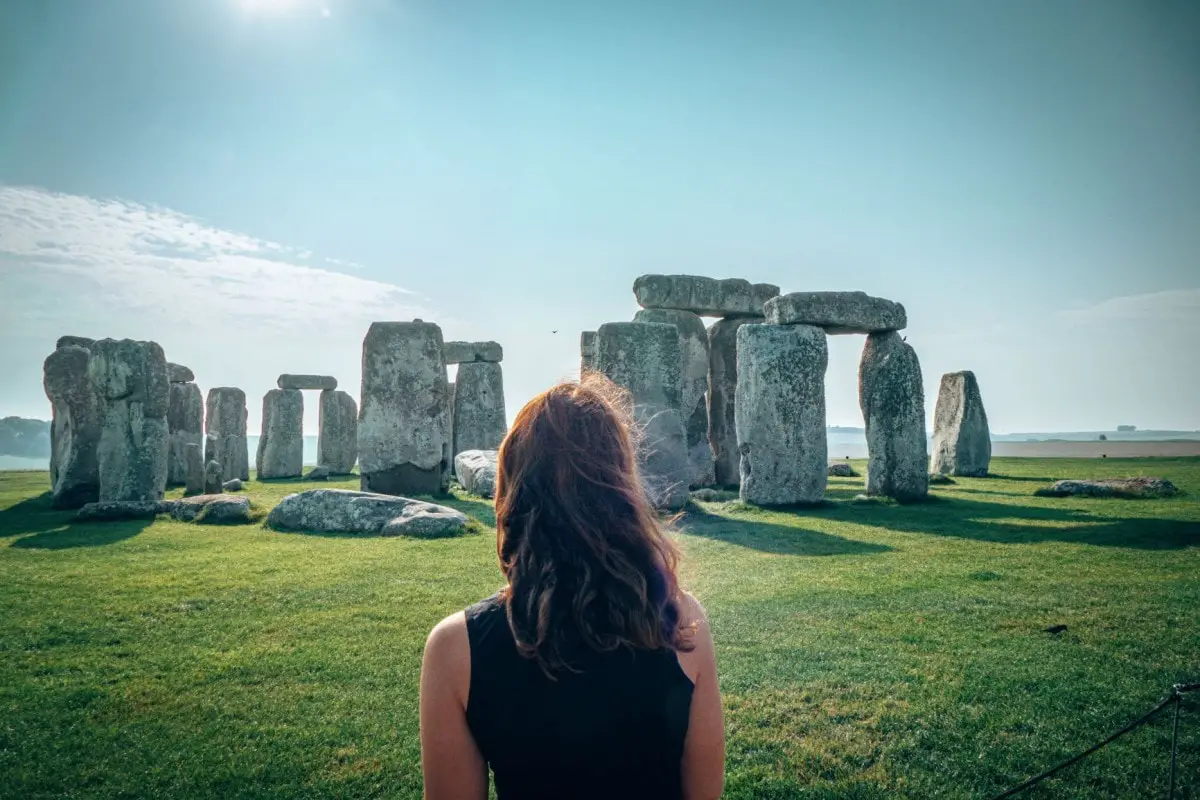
column 466, row 352
column 74, row 341
column 131, row 377
column 1142, row 488
column 940, row 479
column 232, row 485
column 693, row 388
column 892, row 398
column 112, row 510
column 710, row 495
column 317, row 473
column 225, row 420
column 322, row 382
column 281, row 445
column 837, row 312
column 479, row 421
column 337, row 432
column 212, row 509
column 177, row 373
column 404, row 420
column 841, row 469
column 426, row 521
column 194, row 484
column 722, row 399
column 345, row 511
column 645, row 359
column 962, row 443
column 75, row 427
column 212, row 477
column 781, row 414
column 185, row 426
column 476, row 471
column 708, row 297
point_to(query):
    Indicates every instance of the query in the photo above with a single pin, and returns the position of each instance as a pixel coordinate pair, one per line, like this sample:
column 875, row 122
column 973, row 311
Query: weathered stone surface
column 466, row 352
column 194, row 458
column 111, row 510
column 317, row 473
column 892, row 397
column 450, row 401
column 337, row 432
column 281, row 445
column 212, row 477
column 1141, row 488
column 837, row 312
column 708, row 297
column 345, row 511
column 479, row 421
column 177, row 373
column 476, row 471
column 185, row 426
column 426, row 521
column 587, row 351
column 962, row 443
column 212, row 509
column 780, row 414
column 404, row 421
column 841, row 469
column 645, row 358
column 74, row 341
column 131, row 377
column 232, row 485
column 693, row 387
column 722, row 398
column 322, row 382
column 75, row 428
column 225, row 421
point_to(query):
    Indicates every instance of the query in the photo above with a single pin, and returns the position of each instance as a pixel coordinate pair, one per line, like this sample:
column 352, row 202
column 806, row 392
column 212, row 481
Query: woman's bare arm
column 704, row 749
column 450, row 760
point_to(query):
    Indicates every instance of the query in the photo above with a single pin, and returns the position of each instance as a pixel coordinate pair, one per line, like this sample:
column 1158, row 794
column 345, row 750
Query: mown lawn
column 866, row 650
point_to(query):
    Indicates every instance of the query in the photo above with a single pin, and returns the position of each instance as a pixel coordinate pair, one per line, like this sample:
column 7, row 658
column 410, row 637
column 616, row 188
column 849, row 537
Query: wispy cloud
column 1174, row 304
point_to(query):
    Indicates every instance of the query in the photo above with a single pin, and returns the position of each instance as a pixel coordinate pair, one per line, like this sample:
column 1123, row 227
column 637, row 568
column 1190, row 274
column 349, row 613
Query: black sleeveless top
column 613, row 730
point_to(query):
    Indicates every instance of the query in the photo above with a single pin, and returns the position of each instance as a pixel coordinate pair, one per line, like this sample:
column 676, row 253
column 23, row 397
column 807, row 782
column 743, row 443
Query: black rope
column 1175, row 695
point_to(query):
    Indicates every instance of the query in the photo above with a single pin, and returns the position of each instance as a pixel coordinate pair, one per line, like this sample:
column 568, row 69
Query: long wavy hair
column 588, row 565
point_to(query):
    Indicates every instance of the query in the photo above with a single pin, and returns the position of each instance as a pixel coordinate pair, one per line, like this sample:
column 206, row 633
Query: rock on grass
column 1129, row 488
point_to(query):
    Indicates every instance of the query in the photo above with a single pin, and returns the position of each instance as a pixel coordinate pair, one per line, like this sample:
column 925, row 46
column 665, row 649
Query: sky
column 252, row 182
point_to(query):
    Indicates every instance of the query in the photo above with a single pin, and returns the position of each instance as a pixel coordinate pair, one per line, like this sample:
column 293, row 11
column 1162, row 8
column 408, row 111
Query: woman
column 591, row 673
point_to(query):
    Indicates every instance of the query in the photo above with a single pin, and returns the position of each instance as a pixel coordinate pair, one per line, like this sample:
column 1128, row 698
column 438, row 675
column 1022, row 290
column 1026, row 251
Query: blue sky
column 251, row 183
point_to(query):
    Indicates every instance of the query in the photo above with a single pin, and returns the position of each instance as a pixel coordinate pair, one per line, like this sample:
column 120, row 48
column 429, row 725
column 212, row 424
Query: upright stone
column 693, row 389
column 450, row 406
column 708, row 297
column 131, row 377
column 281, row 445
column 404, row 418
column 722, row 394
column 479, row 422
column 195, row 469
column 962, row 443
column 892, row 398
column 587, row 351
column 780, row 413
column 337, row 432
column 75, row 428
column 185, row 425
column 212, row 477
column 645, row 358
column 225, row 421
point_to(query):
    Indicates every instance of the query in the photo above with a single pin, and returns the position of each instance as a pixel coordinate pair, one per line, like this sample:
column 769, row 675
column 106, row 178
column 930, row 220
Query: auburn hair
column 588, row 565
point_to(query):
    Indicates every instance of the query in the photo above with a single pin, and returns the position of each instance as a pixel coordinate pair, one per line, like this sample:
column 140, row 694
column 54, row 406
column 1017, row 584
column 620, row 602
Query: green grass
column 867, row 650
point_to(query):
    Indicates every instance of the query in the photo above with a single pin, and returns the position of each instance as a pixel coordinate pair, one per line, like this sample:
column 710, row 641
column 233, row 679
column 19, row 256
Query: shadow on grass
column 44, row 528
column 771, row 538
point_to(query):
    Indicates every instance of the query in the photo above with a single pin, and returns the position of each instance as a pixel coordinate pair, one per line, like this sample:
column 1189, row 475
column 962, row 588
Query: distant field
column 867, row 651
column 1166, row 449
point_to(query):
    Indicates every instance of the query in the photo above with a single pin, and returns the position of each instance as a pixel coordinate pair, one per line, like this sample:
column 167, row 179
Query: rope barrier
column 1174, row 695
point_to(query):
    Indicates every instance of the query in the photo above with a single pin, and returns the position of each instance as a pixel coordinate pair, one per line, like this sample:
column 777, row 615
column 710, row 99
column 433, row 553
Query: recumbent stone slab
column 781, row 414
column 466, row 352
column 962, row 443
column 476, row 471
column 321, row 382
column 281, row 445
column 345, row 511
column 479, row 420
column 177, row 373
column 74, row 341
column 74, row 429
column 185, row 426
column 708, row 297
column 225, row 423
column 337, row 432
column 892, row 398
column 722, row 398
column 837, row 312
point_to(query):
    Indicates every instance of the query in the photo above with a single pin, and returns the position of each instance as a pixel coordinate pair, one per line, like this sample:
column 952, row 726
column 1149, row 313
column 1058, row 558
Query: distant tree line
column 26, row 438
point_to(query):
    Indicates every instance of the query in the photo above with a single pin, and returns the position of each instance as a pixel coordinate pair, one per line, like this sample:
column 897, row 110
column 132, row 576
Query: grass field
column 867, row 650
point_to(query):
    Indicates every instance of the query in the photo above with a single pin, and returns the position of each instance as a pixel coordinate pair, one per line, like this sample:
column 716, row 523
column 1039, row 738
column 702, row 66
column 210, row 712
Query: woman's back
column 614, row 728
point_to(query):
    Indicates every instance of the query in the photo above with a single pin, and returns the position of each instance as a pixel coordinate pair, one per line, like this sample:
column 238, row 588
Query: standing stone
column 693, row 389
column 281, row 445
column 131, row 377
column 708, row 297
column 587, row 351
column 780, row 413
column 75, row 428
column 337, row 432
column 450, row 406
column 722, row 393
column 185, row 425
column 225, row 422
column 195, row 469
column 892, row 398
column 479, row 422
column 962, row 443
column 645, row 358
column 212, row 477
column 404, row 420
